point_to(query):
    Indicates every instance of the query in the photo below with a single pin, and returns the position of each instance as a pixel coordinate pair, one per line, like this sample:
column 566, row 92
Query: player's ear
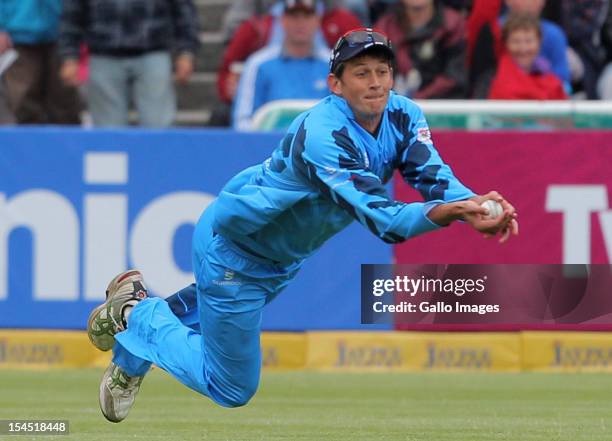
column 334, row 84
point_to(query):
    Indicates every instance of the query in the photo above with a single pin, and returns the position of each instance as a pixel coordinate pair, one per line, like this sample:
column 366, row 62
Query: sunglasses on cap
column 355, row 42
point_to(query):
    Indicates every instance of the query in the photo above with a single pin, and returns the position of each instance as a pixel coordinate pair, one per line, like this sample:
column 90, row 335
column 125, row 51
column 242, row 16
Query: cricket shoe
column 117, row 393
column 106, row 320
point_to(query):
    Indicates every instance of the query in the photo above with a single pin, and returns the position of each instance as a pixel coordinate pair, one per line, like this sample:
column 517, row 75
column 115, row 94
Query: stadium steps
column 198, row 98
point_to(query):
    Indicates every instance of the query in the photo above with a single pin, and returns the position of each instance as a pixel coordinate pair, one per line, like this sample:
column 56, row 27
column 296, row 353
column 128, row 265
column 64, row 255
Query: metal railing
column 472, row 114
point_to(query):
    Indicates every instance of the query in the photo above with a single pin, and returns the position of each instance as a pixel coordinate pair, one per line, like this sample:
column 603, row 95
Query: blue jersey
column 270, row 75
column 327, row 172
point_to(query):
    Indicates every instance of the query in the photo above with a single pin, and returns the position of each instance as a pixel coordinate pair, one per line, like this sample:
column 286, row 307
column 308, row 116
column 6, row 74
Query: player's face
column 524, row 46
column 365, row 84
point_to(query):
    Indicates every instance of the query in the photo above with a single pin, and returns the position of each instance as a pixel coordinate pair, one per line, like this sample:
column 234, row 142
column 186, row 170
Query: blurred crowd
column 63, row 59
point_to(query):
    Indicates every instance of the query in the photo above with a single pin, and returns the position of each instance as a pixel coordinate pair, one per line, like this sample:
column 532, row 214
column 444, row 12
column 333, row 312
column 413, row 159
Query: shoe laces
column 119, row 379
column 119, row 326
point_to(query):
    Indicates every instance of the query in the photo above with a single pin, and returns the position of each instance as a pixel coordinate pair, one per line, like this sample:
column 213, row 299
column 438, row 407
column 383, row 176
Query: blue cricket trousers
column 220, row 358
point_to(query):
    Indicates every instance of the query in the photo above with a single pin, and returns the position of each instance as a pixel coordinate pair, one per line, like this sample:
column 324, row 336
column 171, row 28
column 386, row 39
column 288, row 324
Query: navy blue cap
column 356, row 41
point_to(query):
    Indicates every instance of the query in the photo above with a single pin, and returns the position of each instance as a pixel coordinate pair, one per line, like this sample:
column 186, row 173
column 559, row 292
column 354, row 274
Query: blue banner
column 78, row 206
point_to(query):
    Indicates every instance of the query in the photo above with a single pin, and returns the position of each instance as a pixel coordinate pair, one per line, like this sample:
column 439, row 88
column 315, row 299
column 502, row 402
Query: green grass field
column 322, row 407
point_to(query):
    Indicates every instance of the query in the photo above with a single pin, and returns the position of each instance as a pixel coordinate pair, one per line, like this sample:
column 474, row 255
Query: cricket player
column 329, row 169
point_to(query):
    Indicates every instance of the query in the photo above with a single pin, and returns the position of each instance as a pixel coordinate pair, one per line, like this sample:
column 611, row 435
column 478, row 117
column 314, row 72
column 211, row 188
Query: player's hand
column 183, row 68
column 69, row 72
column 472, row 212
column 505, row 225
column 5, row 42
column 511, row 230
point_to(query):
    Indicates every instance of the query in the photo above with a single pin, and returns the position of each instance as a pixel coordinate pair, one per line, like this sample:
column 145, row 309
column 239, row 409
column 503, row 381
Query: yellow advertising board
column 71, row 349
column 477, row 351
column 48, row 349
column 356, row 351
column 360, row 351
column 413, row 351
column 283, row 350
column 567, row 351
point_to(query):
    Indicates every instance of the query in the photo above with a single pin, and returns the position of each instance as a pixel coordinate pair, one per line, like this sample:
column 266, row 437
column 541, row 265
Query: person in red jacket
column 484, row 45
column 522, row 74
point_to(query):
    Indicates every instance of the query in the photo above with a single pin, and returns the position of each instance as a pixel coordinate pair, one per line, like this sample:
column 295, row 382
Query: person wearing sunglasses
column 330, row 168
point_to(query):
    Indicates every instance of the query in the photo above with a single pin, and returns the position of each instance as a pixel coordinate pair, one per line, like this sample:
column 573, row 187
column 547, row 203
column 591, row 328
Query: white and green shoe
column 106, row 320
column 117, row 393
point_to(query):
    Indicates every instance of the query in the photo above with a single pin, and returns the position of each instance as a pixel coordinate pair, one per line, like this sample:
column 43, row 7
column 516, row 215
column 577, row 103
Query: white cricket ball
column 494, row 207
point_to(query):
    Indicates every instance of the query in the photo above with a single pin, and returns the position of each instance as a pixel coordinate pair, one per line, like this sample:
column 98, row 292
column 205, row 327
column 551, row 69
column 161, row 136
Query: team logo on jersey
column 229, row 274
column 424, row 135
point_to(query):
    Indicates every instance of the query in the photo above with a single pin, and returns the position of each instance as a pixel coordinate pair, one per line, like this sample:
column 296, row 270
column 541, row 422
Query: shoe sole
column 92, row 316
column 90, row 321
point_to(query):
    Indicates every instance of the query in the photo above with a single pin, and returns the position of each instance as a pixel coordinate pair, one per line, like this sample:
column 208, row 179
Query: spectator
column 369, row 11
column 553, row 11
column 335, row 15
column 256, row 32
column 130, row 44
column 462, row 6
column 378, row 8
column 35, row 93
column 429, row 41
column 523, row 74
column 6, row 116
column 294, row 69
column 6, row 58
column 604, row 83
column 554, row 41
column 483, row 29
column 583, row 21
column 361, row 9
column 484, row 45
column 241, row 11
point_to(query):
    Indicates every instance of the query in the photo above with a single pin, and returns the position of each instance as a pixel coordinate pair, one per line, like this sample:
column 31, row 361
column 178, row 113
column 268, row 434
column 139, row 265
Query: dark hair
column 523, row 22
column 374, row 51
